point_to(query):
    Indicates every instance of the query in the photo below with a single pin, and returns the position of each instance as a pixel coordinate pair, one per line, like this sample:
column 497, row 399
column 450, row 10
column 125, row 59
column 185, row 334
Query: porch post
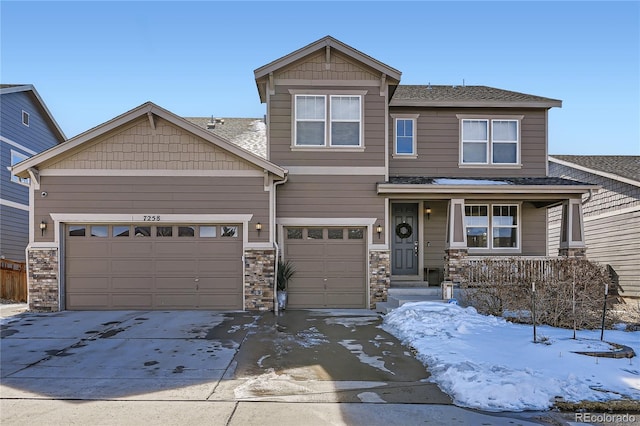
column 572, row 242
column 456, row 248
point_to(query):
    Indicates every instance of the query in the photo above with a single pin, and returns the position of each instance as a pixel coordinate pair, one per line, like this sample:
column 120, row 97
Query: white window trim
column 14, row 178
column 490, row 249
column 490, row 119
column 28, row 118
column 414, row 118
column 327, row 134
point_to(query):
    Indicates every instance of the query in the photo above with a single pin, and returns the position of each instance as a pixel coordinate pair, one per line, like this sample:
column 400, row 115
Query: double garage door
column 163, row 266
column 330, row 266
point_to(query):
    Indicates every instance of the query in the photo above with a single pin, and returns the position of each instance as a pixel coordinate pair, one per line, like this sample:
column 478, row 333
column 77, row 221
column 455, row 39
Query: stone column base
column 42, row 280
column 455, row 265
column 379, row 276
column 259, row 277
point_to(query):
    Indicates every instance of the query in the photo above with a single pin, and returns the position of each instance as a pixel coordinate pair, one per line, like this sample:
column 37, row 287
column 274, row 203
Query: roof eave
column 48, row 116
column 319, row 44
column 147, row 107
column 594, row 171
column 394, row 188
column 473, row 104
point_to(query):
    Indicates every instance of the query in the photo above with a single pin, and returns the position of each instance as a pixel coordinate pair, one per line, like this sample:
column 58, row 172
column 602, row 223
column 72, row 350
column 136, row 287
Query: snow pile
column 491, row 364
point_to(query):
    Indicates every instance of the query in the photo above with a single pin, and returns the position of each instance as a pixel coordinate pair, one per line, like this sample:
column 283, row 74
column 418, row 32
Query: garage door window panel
column 229, row 231
column 77, row 230
column 356, row 234
column 99, row 231
column 164, row 231
column 315, row 234
column 294, row 233
column 120, row 231
column 186, row 231
column 208, row 231
column 336, row 234
column 142, row 231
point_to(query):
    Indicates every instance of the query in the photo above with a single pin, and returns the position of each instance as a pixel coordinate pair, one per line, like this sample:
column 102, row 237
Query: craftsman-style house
column 363, row 181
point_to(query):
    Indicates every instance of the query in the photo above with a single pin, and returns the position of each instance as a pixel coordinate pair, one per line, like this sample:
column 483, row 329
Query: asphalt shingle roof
column 437, row 95
column 247, row 133
column 627, row 166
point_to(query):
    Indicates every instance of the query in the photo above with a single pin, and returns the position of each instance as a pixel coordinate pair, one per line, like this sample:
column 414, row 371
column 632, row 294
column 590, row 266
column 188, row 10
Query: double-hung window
column 310, row 120
column 405, row 137
column 328, row 120
column 490, row 141
column 492, row 226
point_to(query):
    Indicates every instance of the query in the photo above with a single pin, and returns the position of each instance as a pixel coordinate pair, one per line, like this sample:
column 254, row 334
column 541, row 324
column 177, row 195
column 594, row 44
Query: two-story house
column 26, row 128
column 364, row 181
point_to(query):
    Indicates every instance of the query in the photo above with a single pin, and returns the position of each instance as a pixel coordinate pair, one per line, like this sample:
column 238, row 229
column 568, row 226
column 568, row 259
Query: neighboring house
column 611, row 215
column 26, row 128
column 363, row 181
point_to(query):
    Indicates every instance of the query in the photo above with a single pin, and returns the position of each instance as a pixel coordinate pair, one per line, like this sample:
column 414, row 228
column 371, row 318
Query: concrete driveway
column 203, row 367
column 201, row 355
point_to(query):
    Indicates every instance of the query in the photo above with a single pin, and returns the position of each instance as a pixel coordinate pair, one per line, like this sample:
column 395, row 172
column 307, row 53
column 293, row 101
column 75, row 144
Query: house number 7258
column 155, row 218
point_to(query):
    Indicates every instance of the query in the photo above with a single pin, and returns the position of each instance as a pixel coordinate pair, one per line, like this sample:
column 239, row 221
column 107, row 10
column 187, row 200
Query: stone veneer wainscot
column 44, row 291
column 259, row 276
column 379, row 276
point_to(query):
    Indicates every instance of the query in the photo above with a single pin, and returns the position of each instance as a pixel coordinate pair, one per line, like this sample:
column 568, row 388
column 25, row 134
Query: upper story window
column 405, row 137
column 328, row 120
column 25, row 118
column 17, row 157
column 490, row 141
column 492, row 226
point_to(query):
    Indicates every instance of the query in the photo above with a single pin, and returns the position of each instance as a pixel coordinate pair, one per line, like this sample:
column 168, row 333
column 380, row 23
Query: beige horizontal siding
column 154, row 195
column 305, row 196
column 281, row 134
column 438, row 143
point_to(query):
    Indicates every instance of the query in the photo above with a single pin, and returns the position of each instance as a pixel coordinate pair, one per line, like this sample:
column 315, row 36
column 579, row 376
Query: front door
column 405, row 239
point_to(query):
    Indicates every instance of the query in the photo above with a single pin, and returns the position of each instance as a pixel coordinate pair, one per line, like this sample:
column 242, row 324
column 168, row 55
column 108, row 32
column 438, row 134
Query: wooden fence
column 13, row 280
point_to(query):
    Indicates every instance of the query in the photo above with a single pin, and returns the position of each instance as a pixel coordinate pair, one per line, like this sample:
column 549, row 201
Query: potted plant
column 285, row 273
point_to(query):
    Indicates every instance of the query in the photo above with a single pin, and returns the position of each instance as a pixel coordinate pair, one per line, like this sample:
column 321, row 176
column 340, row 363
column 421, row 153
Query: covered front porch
column 436, row 226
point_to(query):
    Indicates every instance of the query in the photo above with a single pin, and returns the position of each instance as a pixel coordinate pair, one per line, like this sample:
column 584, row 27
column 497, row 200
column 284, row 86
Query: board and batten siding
column 281, row 132
column 438, row 144
column 319, row 196
column 154, row 195
column 611, row 225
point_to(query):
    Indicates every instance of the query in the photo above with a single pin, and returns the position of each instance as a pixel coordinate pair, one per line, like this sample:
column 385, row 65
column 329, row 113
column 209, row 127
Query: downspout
column 588, row 197
column 275, row 241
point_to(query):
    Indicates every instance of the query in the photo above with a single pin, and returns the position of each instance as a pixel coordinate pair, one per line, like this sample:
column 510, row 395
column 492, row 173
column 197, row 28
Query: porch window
column 477, row 224
column 492, row 226
column 505, row 226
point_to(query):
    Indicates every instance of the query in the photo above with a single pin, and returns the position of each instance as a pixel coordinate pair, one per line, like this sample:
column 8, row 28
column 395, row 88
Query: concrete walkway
column 226, row 368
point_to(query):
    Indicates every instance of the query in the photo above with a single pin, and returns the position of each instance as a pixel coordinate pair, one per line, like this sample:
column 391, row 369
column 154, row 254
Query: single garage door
column 330, row 267
column 164, row 266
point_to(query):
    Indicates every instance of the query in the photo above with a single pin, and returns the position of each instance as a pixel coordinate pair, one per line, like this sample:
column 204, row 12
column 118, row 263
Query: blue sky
column 91, row 61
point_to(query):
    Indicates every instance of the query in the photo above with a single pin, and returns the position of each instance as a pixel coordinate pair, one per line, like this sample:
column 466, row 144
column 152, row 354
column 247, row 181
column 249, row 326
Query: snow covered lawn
column 488, row 363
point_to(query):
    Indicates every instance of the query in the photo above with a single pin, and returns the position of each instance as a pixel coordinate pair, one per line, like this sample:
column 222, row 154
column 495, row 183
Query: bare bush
column 568, row 291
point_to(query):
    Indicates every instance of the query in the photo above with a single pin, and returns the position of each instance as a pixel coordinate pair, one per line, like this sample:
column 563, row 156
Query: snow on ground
column 488, row 363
